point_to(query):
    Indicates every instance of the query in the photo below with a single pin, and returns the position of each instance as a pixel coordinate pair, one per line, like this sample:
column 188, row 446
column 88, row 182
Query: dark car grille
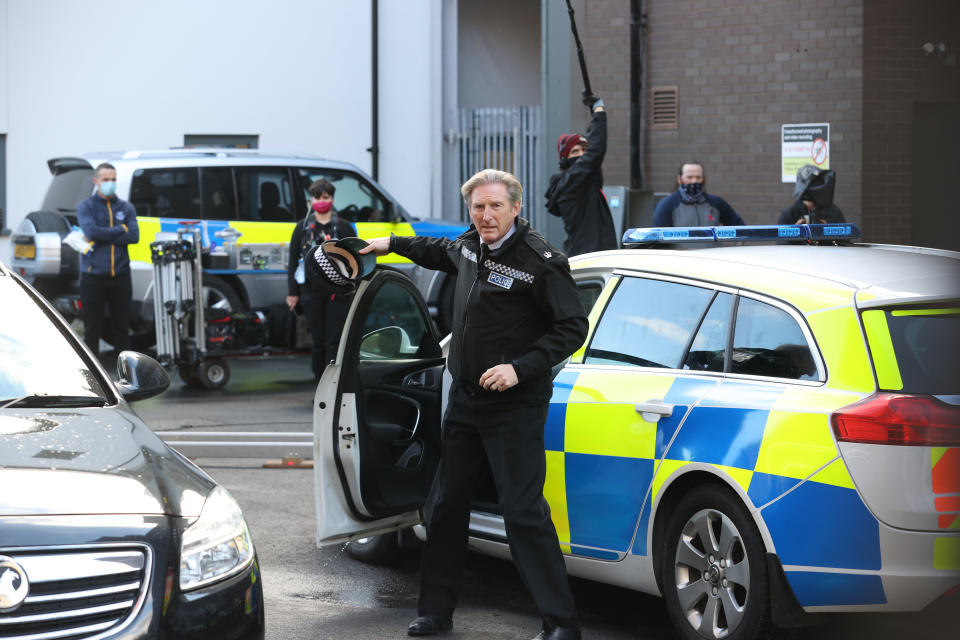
column 77, row 593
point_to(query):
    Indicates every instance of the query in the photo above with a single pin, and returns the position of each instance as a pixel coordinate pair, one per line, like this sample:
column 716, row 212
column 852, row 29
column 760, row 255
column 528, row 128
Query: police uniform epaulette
column 540, row 246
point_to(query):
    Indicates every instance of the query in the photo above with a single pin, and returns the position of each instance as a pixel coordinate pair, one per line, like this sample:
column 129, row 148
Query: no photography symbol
column 819, row 151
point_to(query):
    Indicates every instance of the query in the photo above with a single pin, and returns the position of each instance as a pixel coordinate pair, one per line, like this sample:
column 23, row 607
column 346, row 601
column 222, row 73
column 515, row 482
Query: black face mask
column 566, row 163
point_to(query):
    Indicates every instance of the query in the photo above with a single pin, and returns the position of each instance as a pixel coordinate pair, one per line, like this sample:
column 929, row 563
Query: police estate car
column 757, row 433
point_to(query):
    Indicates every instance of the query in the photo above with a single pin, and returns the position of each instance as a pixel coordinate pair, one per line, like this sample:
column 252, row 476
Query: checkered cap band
column 329, row 269
column 509, row 271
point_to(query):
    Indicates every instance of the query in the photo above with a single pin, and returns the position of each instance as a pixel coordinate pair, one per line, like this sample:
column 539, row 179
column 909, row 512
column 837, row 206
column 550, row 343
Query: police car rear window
column 925, row 343
column 68, row 189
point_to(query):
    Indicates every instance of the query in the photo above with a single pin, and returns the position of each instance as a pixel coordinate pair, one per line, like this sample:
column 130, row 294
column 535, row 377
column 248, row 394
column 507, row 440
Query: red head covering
column 568, row 141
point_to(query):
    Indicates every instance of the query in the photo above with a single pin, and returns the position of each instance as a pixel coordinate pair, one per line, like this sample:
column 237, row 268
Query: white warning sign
column 803, row 144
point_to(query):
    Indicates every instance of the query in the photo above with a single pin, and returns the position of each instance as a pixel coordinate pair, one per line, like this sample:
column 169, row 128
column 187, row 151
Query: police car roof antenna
column 576, row 38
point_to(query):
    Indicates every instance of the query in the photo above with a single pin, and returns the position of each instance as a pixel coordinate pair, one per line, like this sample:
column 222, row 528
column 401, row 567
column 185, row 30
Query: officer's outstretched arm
column 381, row 246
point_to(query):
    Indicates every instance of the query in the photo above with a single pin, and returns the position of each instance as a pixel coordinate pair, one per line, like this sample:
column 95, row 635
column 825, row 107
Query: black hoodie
column 575, row 195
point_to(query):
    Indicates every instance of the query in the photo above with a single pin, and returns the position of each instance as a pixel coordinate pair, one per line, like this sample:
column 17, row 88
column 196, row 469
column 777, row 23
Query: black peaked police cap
column 336, row 266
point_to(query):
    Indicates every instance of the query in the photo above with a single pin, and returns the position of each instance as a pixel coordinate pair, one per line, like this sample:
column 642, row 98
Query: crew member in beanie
column 516, row 314
column 575, row 192
column 326, row 312
column 691, row 206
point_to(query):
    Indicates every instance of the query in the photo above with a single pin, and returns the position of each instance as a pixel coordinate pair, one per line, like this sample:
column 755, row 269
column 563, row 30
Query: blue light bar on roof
column 747, row 233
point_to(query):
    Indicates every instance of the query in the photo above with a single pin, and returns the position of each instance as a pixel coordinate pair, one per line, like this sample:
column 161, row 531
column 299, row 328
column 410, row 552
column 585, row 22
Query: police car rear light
column 899, row 419
column 748, row 233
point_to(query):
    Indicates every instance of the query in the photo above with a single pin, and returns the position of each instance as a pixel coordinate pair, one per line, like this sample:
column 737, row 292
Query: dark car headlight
column 217, row 545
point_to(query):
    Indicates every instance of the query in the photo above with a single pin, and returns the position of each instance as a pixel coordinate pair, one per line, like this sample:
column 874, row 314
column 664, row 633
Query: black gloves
column 590, row 100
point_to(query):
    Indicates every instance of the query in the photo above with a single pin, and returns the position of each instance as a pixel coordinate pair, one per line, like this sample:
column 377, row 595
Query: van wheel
column 375, row 549
column 218, row 294
column 714, row 570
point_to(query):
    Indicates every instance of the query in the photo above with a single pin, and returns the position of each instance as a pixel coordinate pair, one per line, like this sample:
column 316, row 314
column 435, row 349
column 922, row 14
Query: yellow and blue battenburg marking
column 606, row 466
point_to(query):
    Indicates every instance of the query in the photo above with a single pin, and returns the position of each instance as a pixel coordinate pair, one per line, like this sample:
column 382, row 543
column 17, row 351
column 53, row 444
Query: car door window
column 166, row 193
column 264, row 194
column 395, row 327
column 768, row 342
column 355, row 199
column 219, row 196
column 588, row 293
column 648, row 323
column 708, row 351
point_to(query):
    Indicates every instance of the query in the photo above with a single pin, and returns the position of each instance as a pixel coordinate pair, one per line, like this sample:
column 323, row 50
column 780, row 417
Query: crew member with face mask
column 110, row 225
column 575, row 193
column 326, row 312
column 691, row 206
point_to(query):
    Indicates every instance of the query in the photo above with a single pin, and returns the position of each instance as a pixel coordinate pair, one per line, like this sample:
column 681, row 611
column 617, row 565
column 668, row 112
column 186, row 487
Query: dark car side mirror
column 140, row 376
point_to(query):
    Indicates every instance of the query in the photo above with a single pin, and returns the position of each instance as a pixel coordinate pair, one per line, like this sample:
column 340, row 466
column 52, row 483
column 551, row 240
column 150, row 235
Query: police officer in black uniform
column 516, row 313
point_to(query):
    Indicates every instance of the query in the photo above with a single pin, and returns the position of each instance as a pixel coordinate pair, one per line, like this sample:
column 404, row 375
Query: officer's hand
column 292, row 301
column 499, row 378
column 381, row 246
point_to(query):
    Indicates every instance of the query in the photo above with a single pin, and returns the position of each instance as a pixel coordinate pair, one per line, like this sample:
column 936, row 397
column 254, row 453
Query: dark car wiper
column 39, row 401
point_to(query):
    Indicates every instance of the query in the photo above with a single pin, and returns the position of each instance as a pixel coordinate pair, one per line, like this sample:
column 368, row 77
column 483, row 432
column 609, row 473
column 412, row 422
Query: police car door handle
column 653, row 410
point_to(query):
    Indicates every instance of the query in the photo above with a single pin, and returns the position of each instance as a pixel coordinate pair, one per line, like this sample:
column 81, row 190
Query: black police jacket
column 515, row 305
column 576, row 196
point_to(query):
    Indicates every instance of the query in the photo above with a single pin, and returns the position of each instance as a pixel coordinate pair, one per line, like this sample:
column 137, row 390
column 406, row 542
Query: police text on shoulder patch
column 500, row 280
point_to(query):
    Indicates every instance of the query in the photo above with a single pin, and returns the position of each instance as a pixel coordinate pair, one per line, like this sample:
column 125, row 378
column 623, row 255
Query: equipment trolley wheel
column 214, row 373
column 190, row 374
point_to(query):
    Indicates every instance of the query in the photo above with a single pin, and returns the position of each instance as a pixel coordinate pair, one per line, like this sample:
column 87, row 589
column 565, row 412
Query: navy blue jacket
column 672, row 211
column 111, row 225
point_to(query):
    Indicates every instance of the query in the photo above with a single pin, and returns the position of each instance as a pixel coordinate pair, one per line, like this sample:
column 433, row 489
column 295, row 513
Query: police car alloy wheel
column 714, row 571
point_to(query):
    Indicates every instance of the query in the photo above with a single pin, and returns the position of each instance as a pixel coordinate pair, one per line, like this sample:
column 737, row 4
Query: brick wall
column 743, row 68
column 897, row 74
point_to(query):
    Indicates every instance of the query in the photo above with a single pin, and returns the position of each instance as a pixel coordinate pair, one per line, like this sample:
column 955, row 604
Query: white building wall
column 411, row 99
column 84, row 75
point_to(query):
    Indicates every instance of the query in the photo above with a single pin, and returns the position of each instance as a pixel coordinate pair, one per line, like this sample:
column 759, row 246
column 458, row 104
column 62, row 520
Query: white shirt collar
column 493, row 246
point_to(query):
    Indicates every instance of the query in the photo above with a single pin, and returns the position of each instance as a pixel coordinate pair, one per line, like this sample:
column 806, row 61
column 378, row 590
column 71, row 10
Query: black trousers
column 325, row 317
column 96, row 294
column 512, row 442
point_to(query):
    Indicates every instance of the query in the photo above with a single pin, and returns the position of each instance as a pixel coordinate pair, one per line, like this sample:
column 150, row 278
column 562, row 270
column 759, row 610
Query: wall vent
column 666, row 108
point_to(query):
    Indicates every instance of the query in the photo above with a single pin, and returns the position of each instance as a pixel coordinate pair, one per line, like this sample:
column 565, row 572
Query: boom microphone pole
column 583, row 62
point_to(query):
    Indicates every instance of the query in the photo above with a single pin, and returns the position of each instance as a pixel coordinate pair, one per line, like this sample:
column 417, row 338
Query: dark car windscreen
column 925, row 343
column 68, row 189
column 36, row 359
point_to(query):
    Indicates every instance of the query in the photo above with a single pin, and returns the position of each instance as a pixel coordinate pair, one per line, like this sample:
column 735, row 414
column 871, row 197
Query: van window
column 264, row 194
column 166, row 193
column 648, row 323
column 355, row 199
column 219, row 195
column 768, row 342
column 68, row 189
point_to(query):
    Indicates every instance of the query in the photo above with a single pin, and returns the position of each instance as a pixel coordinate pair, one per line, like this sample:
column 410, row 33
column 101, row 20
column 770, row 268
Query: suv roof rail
column 654, row 236
column 210, row 152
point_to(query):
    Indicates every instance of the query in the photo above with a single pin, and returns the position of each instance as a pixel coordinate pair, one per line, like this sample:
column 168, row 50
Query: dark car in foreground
column 105, row 532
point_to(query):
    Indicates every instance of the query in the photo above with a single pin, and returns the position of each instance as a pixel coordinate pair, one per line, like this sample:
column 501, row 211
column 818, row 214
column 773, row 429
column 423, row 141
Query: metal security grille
column 78, row 593
column 504, row 138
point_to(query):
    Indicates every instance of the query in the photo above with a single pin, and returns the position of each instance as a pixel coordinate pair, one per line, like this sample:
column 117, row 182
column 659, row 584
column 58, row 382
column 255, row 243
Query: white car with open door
column 755, row 431
column 377, row 415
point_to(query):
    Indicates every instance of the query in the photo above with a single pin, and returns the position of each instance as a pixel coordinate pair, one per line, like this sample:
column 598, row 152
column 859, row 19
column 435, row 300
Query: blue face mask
column 108, row 189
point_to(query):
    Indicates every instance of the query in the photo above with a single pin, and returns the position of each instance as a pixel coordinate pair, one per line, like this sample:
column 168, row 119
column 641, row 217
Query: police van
column 246, row 203
column 761, row 428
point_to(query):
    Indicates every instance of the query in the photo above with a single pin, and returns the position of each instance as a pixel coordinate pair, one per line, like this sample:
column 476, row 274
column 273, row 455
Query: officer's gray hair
column 493, row 176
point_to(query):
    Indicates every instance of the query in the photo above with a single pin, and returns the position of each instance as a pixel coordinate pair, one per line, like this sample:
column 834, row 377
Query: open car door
column 377, row 414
